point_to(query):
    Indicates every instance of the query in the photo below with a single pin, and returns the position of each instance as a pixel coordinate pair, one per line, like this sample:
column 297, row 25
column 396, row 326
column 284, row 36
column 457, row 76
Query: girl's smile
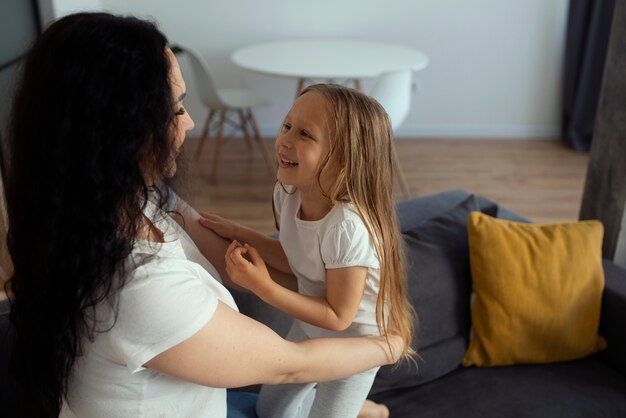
column 286, row 163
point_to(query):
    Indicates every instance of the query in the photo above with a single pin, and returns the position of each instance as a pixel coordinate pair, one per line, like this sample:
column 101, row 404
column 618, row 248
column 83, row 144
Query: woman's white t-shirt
column 340, row 239
column 171, row 291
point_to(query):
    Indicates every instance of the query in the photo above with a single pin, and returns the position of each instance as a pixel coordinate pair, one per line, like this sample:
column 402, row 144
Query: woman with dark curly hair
column 114, row 308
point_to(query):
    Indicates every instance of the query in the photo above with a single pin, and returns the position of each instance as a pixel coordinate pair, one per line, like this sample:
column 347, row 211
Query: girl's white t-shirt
column 171, row 292
column 340, row 239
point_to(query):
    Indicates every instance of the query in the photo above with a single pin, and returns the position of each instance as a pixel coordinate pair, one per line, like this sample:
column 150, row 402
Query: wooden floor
column 542, row 180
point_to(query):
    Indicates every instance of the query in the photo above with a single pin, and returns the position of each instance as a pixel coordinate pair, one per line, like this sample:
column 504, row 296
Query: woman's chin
column 171, row 170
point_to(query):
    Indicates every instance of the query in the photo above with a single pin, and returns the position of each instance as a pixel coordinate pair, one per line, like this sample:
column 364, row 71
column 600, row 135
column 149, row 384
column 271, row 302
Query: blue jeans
column 241, row 404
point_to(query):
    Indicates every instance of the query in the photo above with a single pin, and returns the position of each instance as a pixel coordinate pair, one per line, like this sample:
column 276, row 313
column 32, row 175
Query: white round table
column 328, row 59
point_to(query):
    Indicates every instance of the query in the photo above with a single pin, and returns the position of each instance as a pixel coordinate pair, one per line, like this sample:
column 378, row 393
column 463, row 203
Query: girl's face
column 303, row 142
column 183, row 122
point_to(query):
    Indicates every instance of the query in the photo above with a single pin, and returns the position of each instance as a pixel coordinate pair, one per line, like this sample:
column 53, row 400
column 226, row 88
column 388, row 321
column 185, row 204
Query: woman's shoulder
column 157, row 278
column 145, row 267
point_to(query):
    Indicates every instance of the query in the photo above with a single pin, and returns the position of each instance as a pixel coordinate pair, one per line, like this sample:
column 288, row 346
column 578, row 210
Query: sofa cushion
column 439, row 286
column 538, row 291
column 577, row 389
column 411, row 213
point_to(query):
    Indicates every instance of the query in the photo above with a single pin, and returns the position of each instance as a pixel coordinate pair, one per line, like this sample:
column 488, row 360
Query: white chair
column 230, row 107
column 393, row 91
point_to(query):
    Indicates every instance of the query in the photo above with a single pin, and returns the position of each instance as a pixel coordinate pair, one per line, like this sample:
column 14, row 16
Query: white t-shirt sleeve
column 347, row 244
column 164, row 304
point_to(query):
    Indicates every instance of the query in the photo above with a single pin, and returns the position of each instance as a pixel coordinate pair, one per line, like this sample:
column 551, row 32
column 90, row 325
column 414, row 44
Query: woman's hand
column 396, row 343
column 248, row 272
column 395, row 347
column 221, row 226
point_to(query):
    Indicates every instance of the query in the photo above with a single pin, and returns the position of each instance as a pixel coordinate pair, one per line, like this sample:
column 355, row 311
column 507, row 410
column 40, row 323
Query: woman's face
column 183, row 122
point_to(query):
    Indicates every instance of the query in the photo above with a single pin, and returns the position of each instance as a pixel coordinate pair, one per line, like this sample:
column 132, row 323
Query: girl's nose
column 284, row 141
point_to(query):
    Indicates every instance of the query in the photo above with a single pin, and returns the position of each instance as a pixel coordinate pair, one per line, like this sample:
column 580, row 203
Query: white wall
column 495, row 65
column 65, row 7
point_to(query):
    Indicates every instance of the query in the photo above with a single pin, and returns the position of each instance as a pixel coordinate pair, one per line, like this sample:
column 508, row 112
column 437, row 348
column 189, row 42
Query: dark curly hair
column 93, row 110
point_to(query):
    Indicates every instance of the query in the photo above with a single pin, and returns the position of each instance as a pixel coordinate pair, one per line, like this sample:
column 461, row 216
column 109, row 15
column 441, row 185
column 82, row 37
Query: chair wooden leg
column 357, row 84
column 205, row 133
column 257, row 137
column 244, row 128
column 404, row 185
column 218, row 144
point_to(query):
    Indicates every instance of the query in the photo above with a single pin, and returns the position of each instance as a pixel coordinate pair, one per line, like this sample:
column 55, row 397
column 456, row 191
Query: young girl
column 338, row 236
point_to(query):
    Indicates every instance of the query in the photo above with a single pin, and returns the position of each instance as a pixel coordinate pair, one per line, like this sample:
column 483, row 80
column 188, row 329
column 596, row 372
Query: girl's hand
column 221, row 226
column 250, row 273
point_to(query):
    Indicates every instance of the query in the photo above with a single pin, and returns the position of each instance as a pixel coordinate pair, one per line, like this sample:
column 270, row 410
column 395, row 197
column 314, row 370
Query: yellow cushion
column 538, row 291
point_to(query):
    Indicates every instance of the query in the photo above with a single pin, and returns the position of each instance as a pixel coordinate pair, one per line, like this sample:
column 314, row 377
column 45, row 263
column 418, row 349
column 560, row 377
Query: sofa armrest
column 613, row 316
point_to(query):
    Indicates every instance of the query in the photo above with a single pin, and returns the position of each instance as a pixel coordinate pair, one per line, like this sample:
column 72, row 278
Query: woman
column 113, row 306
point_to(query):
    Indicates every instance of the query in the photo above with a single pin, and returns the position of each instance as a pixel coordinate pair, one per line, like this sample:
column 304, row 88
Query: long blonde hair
column 361, row 147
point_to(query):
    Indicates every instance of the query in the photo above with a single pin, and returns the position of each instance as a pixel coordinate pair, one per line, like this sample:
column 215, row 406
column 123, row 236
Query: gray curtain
column 588, row 30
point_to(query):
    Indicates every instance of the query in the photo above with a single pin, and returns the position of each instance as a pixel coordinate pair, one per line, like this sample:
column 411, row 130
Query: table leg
column 357, row 84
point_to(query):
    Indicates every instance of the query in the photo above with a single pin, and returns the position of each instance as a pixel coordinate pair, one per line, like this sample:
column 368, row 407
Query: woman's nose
column 190, row 123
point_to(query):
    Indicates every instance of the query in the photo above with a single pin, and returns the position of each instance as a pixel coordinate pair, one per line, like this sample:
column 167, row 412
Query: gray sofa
column 435, row 231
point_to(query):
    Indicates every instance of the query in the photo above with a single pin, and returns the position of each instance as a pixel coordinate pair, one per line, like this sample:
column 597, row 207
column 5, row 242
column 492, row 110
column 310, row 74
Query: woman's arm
column 213, row 246
column 232, row 350
column 336, row 311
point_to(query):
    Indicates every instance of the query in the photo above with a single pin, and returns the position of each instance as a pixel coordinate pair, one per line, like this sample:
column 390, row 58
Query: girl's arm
column 232, row 350
column 213, row 246
column 336, row 311
column 270, row 249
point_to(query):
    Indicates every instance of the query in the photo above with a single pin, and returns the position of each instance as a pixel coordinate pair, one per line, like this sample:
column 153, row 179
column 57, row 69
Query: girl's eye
column 181, row 111
column 285, row 127
column 305, row 134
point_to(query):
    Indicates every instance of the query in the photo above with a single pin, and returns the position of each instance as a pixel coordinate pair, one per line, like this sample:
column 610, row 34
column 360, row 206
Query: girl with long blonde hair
column 338, row 267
